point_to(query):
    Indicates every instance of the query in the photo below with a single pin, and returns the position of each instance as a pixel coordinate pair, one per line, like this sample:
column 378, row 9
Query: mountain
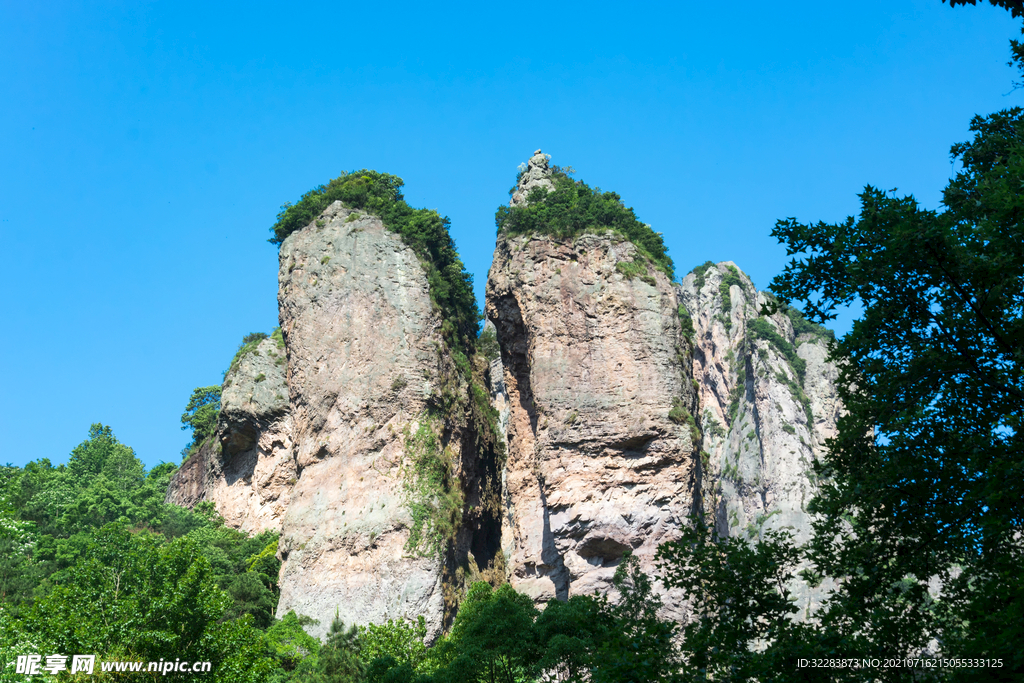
column 400, row 463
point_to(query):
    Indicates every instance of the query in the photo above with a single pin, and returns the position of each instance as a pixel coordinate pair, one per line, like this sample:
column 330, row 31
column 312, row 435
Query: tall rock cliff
column 354, row 434
column 620, row 405
column 247, row 469
column 363, row 359
column 598, row 380
column 768, row 403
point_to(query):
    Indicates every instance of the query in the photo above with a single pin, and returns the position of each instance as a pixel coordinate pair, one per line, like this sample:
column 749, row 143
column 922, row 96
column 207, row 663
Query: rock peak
column 534, row 173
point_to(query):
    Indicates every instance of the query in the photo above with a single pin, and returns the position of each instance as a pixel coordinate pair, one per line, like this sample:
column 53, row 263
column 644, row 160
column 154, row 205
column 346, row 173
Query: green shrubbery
column 802, row 325
column 201, row 415
column 729, row 278
column 573, row 208
column 686, row 323
column 487, row 344
column 760, row 328
column 500, row 636
column 248, row 345
column 433, row 495
column 93, row 560
column 699, row 274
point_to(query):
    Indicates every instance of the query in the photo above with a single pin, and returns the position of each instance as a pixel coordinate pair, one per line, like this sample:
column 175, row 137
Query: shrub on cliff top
column 424, row 230
column 574, row 208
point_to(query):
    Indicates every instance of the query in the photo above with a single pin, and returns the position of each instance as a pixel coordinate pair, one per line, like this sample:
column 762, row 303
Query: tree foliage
column 573, row 208
column 925, row 480
column 94, row 558
column 743, row 628
column 1015, row 7
column 201, row 414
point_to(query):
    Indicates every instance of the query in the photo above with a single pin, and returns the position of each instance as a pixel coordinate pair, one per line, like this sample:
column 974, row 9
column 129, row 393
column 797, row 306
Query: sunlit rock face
column 363, row 353
column 247, row 469
column 768, row 403
column 594, row 362
column 624, row 405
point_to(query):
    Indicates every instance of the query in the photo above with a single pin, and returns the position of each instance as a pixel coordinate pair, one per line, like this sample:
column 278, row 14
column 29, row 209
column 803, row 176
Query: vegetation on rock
column 433, row 495
column 423, row 230
column 574, row 208
column 248, row 345
column 201, row 415
column 919, row 507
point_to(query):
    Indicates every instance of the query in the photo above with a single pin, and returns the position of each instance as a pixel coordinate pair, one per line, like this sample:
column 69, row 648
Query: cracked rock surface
column 362, row 341
column 764, row 421
column 247, row 469
column 593, row 363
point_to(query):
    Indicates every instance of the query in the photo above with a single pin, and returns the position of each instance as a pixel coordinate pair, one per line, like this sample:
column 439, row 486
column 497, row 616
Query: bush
column 634, row 269
column 487, row 344
column 248, row 345
column 729, row 278
column 760, row 328
column 573, row 208
column 699, row 274
column 686, row 323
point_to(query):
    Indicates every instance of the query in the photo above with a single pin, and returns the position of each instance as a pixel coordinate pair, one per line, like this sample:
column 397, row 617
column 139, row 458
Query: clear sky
column 147, row 146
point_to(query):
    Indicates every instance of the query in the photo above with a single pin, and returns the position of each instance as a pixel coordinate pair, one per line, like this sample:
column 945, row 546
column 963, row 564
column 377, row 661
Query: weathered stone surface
column 247, row 470
column 363, row 358
column 757, row 432
column 536, row 174
column 595, row 453
column 594, row 362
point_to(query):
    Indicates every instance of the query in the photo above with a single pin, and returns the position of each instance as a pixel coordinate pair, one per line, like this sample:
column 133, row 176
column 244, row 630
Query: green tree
column 924, row 481
column 289, row 643
column 492, row 639
column 339, row 660
column 1015, row 7
column 743, row 628
column 133, row 596
column 201, row 414
column 397, row 639
column 638, row 646
column 570, row 633
column 102, row 453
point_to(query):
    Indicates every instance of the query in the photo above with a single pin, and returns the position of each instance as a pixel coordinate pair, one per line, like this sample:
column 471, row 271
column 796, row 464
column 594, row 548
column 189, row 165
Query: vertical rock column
column 364, row 350
column 768, row 402
column 594, row 364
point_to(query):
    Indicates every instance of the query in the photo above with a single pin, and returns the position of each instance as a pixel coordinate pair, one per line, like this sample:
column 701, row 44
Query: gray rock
column 247, row 470
column 760, row 442
column 537, row 174
column 593, row 363
column 363, row 357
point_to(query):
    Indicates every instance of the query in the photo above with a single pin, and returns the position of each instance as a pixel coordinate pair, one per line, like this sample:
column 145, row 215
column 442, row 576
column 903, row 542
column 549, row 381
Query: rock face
column 363, row 358
column 768, row 403
column 247, row 470
column 621, row 404
column 594, row 363
column 535, row 174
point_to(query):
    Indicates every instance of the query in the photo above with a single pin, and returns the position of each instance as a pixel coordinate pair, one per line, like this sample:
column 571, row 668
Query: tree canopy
column 201, row 414
column 923, row 486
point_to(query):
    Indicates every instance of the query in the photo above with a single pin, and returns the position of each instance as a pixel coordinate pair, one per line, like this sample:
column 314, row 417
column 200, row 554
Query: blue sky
column 146, row 148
